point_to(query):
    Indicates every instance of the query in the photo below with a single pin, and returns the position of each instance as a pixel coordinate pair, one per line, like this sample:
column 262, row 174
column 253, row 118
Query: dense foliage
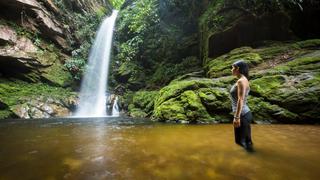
column 117, row 3
column 152, row 39
column 83, row 26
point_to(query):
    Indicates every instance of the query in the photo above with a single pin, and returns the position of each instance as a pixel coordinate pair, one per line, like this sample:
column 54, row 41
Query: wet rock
column 42, row 108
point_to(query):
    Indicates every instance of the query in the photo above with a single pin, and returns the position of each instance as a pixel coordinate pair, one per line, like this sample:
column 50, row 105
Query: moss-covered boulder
column 141, row 103
column 192, row 100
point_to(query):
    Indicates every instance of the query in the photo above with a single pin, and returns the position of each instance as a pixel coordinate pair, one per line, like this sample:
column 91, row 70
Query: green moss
column 215, row 99
column 273, row 51
column 194, row 109
column 142, row 103
column 312, row 43
column 190, row 100
column 6, row 113
column 16, row 92
column 263, row 110
column 57, row 74
column 240, row 50
column 221, row 66
column 303, row 61
column 299, row 64
column 277, row 52
column 127, row 68
column 170, row 110
column 175, row 88
column 267, row 83
column 298, row 93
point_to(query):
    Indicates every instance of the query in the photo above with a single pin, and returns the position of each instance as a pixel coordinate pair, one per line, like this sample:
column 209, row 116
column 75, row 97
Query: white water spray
column 115, row 108
column 92, row 101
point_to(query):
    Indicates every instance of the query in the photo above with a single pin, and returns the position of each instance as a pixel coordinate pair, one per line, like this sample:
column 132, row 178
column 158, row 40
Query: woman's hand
column 236, row 122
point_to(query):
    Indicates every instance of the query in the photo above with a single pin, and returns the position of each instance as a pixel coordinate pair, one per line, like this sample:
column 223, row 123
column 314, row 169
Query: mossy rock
column 266, row 84
column 265, row 111
column 141, row 103
column 195, row 100
column 171, row 109
column 300, row 64
column 221, row 66
column 194, row 109
column 311, row 43
column 298, row 94
column 294, row 56
column 186, row 107
column 215, row 99
column 17, row 92
column 176, row 88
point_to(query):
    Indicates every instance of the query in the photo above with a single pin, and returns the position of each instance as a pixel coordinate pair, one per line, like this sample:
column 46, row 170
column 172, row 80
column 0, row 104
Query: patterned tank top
column 234, row 100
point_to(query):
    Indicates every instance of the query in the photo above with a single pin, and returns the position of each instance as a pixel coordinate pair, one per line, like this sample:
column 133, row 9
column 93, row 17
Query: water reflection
column 122, row 149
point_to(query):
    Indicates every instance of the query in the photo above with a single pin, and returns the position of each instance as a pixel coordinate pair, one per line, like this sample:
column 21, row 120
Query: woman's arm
column 241, row 96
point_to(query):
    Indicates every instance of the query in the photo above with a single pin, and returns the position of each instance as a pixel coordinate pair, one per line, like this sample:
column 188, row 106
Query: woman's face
column 235, row 70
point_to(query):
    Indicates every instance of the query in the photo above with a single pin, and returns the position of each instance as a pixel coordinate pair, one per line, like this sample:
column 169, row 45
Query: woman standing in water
column 242, row 114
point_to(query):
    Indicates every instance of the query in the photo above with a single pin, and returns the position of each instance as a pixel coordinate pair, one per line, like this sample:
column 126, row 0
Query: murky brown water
column 96, row 149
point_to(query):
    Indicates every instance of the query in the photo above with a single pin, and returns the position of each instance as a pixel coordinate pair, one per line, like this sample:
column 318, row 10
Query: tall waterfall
column 92, row 102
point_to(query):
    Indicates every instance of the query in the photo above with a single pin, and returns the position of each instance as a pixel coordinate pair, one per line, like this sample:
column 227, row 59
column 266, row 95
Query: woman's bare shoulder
column 243, row 82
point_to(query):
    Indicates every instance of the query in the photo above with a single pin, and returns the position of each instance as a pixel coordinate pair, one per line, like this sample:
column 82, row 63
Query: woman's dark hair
column 243, row 67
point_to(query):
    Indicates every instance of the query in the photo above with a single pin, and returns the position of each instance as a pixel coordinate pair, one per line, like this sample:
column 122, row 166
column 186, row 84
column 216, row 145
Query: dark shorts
column 242, row 134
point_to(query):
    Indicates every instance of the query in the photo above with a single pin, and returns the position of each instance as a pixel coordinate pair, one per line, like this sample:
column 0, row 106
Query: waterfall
column 92, row 102
column 115, row 108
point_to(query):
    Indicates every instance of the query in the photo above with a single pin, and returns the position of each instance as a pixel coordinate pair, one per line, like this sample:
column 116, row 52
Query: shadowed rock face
column 249, row 31
column 34, row 16
column 18, row 55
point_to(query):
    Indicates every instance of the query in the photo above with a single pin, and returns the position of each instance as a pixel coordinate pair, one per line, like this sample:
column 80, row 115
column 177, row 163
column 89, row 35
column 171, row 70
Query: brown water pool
column 105, row 149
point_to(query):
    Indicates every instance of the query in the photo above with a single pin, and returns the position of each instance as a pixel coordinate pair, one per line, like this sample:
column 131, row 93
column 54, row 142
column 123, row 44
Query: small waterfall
column 92, row 102
column 115, row 108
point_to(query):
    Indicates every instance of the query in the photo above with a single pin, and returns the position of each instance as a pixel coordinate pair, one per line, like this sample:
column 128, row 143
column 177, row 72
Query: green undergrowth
column 16, row 91
column 58, row 74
